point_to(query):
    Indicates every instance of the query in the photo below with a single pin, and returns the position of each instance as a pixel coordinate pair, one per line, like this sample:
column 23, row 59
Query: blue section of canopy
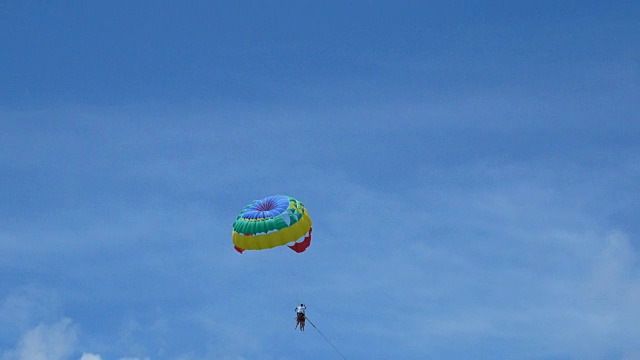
column 267, row 208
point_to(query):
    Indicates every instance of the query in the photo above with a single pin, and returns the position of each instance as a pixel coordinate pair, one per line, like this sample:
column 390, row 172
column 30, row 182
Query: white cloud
column 89, row 356
column 46, row 342
column 25, row 307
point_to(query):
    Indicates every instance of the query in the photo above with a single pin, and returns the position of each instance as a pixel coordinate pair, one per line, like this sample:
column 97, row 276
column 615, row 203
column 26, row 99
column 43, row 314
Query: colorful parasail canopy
column 273, row 221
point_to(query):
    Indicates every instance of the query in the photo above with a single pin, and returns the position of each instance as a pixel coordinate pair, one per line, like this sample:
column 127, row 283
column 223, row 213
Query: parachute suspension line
column 296, row 272
column 298, row 292
column 320, row 332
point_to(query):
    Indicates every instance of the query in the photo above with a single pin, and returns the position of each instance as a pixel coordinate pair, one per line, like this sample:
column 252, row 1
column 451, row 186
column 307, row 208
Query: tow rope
column 320, row 332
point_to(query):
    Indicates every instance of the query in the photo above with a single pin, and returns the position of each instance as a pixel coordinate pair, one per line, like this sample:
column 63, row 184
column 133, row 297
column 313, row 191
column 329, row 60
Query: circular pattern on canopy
column 269, row 207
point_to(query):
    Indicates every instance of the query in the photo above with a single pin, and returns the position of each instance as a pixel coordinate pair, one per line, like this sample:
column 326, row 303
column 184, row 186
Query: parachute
column 273, row 221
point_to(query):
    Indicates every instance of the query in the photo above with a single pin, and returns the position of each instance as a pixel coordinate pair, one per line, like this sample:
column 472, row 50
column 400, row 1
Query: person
column 300, row 316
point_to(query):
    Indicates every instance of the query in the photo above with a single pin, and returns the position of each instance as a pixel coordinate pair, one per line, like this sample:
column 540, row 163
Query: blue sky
column 471, row 169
